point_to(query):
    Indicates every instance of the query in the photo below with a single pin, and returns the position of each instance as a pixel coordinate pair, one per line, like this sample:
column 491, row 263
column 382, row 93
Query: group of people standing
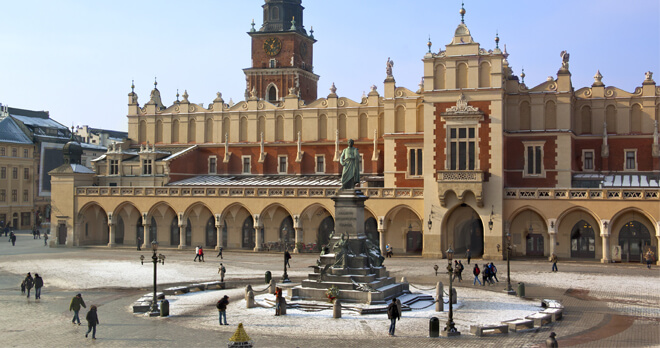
column 29, row 282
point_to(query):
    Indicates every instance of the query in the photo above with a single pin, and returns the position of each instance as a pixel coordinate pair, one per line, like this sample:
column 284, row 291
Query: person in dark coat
column 12, row 238
column 476, row 272
column 287, row 257
column 29, row 283
column 76, row 302
column 220, row 253
column 139, row 243
column 38, row 284
column 393, row 315
column 92, row 321
column 485, row 274
column 468, row 255
column 222, row 309
column 493, row 272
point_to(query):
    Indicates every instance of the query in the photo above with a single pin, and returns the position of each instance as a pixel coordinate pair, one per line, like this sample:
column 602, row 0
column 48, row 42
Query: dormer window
column 146, row 167
column 114, row 167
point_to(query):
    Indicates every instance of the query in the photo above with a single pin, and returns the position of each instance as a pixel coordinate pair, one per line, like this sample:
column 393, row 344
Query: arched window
column 175, row 131
column 585, row 120
column 159, row 131
column 484, row 74
column 462, row 76
column 525, row 116
column 341, row 126
column 211, row 235
column 439, row 77
column 420, row 118
column 272, row 94
column 550, row 115
column 297, row 127
column 636, row 119
column 323, row 127
column 279, row 128
column 634, row 238
column 400, row 120
column 192, row 131
column 275, row 13
column 242, row 129
column 142, row 132
column 208, row 131
column 610, row 119
column 583, row 240
column 362, row 127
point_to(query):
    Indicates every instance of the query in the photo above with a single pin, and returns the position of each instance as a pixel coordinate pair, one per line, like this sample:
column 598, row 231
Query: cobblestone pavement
column 609, row 317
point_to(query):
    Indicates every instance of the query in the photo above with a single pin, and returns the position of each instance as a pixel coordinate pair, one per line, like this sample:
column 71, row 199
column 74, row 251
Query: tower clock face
column 272, row 46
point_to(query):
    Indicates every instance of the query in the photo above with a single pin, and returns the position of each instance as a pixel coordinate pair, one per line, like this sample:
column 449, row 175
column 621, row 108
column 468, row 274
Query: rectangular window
column 631, row 159
column 3, row 196
column 26, row 153
column 213, row 165
column 114, row 167
column 273, row 63
column 146, row 167
column 26, row 173
column 320, row 164
column 14, row 173
column 2, row 151
column 587, row 160
column 246, row 165
column 533, row 158
column 14, row 195
column 3, row 173
column 415, row 162
column 25, row 219
column 25, row 195
column 462, row 148
column 282, row 164
column 14, row 152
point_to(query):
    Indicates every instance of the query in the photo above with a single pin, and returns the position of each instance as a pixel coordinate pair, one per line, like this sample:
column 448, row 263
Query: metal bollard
column 434, row 327
column 336, row 309
column 268, row 277
column 521, row 289
column 439, row 304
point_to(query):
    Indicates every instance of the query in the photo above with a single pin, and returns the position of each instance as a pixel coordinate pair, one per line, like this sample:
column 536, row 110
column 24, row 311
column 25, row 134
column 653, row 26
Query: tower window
column 272, row 63
column 631, row 160
column 320, row 164
column 246, row 165
column 213, row 165
column 282, row 164
column 272, row 94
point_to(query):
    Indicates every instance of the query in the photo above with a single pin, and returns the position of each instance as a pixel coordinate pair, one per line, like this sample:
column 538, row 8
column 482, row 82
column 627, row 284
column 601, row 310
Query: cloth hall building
column 473, row 158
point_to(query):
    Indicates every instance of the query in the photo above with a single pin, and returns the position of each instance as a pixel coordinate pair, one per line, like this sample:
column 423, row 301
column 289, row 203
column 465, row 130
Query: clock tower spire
column 282, row 54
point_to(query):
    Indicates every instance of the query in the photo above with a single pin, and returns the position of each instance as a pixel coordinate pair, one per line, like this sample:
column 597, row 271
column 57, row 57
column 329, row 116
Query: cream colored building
column 472, row 159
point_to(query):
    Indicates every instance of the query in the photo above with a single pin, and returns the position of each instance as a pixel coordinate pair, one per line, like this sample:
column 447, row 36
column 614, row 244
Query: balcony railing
column 316, row 192
column 460, row 176
column 555, row 193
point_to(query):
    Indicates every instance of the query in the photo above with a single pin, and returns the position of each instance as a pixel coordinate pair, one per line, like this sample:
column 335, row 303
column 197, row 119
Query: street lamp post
column 508, row 289
column 450, row 329
column 156, row 259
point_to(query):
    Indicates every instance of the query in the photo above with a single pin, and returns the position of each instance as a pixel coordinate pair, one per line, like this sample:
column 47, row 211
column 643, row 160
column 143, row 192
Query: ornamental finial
column 462, row 12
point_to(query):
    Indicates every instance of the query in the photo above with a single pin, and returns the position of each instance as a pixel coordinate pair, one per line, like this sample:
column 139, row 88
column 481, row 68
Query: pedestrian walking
column 6, row 229
column 92, row 320
column 287, row 257
column 222, row 309
column 76, row 302
column 34, row 233
column 393, row 315
column 45, row 238
column 29, row 283
column 196, row 254
column 554, row 259
column 278, row 300
column 12, row 238
column 201, row 254
column 388, row 250
column 484, row 275
column 455, row 271
column 38, row 233
column 222, row 271
column 468, row 255
column 139, row 243
column 649, row 256
column 493, row 272
column 460, row 272
column 38, row 284
column 476, row 272
column 23, row 287
column 219, row 252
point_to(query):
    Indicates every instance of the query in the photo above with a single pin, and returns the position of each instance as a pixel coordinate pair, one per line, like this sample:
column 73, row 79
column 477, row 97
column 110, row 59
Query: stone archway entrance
column 247, row 232
column 634, row 237
column 468, row 231
column 583, row 240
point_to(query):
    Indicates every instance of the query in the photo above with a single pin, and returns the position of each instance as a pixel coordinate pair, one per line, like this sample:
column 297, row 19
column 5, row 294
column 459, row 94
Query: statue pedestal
column 353, row 264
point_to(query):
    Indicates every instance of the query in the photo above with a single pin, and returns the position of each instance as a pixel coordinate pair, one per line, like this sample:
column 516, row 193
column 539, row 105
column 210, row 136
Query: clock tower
column 282, row 54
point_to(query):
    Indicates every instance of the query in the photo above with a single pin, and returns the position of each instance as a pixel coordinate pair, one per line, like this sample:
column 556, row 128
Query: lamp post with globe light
column 450, row 329
column 156, row 259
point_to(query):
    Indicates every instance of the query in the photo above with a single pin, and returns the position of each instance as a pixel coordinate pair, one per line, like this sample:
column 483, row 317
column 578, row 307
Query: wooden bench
column 555, row 313
column 519, row 324
column 540, row 319
column 489, row 329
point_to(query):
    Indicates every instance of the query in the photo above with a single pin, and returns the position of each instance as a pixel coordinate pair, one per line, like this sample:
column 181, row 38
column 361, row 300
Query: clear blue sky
column 77, row 58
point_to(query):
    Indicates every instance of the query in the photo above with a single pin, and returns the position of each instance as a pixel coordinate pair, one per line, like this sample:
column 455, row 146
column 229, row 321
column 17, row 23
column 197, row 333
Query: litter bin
column 521, row 289
column 268, row 277
column 164, row 308
column 434, row 327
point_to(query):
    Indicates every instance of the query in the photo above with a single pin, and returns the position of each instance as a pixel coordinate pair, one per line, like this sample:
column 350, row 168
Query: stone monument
column 351, row 262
